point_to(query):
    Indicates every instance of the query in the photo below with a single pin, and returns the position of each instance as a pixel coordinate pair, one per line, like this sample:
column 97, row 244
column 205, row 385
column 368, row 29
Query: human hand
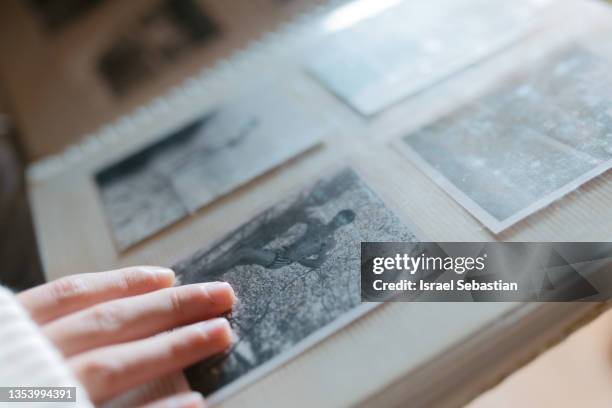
column 106, row 325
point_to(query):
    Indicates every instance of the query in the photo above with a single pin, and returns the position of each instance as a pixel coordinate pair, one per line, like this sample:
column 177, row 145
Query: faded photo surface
column 385, row 58
column 208, row 158
column 295, row 269
column 523, row 146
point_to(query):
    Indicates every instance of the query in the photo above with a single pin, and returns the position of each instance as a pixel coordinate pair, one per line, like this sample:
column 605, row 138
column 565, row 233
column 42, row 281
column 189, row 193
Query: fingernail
column 219, row 331
column 160, row 271
column 221, row 291
column 188, row 400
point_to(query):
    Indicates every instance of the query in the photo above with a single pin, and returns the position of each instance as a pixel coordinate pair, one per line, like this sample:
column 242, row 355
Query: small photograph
column 206, row 159
column 516, row 150
column 295, row 269
column 56, row 14
column 155, row 41
column 383, row 58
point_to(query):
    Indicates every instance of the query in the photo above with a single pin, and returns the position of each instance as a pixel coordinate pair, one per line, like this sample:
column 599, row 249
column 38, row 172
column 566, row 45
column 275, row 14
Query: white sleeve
column 27, row 357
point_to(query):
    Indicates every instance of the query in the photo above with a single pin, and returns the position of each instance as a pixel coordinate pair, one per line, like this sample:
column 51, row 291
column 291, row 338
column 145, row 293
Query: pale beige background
column 575, row 373
column 51, row 79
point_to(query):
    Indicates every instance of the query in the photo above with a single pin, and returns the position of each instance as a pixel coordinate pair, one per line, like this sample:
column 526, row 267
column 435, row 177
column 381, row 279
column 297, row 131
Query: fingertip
column 160, row 276
column 183, row 400
column 191, row 400
column 218, row 333
column 231, row 297
column 221, row 293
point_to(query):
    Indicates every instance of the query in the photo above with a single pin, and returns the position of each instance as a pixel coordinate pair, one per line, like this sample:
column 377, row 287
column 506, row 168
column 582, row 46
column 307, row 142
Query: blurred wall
column 19, row 260
column 56, row 55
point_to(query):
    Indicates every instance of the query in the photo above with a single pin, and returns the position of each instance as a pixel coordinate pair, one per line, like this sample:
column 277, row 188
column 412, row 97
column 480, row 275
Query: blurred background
column 70, row 66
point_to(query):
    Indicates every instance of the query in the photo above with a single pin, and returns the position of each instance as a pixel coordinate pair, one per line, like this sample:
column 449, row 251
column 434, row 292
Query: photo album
column 274, row 185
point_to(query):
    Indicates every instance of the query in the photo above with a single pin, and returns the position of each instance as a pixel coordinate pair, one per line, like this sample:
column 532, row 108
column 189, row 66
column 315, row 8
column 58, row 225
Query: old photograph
column 249, row 135
column 295, row 269
column 383, row 59
column 519, row 148
column 154, row 41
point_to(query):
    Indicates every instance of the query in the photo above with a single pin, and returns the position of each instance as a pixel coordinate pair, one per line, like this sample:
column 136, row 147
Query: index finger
column 72, row 293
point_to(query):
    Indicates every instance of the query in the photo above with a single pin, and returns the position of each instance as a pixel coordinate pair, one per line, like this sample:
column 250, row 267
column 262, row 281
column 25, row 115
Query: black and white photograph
column 399, row 48
column 295, row 270
column 156, row 40
column 525, row 145
column 248, row 136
